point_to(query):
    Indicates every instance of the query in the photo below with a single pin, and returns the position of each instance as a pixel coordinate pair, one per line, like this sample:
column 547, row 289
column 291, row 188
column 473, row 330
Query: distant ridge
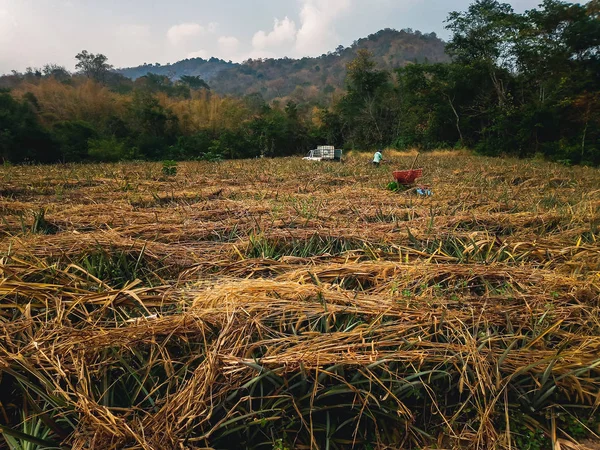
column 304, row 78
column 206, row 69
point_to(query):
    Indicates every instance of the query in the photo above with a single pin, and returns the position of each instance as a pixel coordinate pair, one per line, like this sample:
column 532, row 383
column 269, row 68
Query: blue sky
column 131, row 32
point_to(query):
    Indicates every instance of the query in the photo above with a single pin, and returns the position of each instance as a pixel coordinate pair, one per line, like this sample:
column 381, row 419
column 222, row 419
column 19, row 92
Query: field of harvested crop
column 286, row 304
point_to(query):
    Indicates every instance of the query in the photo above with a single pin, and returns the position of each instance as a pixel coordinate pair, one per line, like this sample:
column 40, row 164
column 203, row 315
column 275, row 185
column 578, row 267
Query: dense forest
column 522, row 84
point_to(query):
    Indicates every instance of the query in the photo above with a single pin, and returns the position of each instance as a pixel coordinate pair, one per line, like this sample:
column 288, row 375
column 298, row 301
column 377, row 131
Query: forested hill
column 205, row 69
column 306, row 78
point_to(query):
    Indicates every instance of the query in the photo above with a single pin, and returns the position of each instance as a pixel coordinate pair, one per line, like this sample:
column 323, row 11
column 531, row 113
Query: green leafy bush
column 73, row 138
column 109, row 149
column 169, row 168
column 394, row 186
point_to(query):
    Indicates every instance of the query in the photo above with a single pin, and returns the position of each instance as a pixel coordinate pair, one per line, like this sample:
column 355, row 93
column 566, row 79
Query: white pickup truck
column 324, row 153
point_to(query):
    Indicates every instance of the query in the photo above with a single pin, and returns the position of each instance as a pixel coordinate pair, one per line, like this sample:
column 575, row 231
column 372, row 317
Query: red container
column 407, row 176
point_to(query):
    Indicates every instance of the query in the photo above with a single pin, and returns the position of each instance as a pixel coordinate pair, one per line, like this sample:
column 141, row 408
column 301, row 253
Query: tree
column 363, row 79
column 544, row 68
column 93, row 66
column 484, row 35
column 194, row 82
column 154, row 83
column 432, row 98
column 73, row 138
column 56, row 71
column 367, row 108
column 22, row 138
column 153, row 127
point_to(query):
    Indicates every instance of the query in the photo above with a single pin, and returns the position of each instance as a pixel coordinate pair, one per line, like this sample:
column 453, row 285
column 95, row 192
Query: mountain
column 206, row 69
column 306, row 78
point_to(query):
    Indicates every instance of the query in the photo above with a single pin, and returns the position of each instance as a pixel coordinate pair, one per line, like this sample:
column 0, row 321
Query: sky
column 133, row 32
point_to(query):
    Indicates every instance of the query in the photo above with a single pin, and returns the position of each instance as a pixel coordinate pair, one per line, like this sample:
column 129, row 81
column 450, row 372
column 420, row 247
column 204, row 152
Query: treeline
column 50, row 115
column 520, row 84
column 52, row 122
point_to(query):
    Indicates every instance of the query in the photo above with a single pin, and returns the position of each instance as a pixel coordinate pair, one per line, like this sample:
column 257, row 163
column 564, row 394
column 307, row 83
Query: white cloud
column 229, row 46
column 182, row 32
column 284, row 32
column 199, row 54
column 315, row 36
column 317, row 32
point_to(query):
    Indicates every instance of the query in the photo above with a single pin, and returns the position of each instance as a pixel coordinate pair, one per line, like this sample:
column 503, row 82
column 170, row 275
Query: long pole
column 415, row 161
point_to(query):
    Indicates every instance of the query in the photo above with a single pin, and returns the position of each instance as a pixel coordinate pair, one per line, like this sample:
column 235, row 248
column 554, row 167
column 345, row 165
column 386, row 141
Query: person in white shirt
column 377, row 158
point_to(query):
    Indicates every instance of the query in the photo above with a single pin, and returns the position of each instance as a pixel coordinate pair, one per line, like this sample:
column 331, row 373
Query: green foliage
column 57, row 72
column 153, row 127
column 33, row 435
column 394, row 186
column 528, row 439
column 93, row 66
column 574, row 426
column 191, row 147
column 261, row 246
column 73, row 138
column 151, row 83
column 22, row 137
column 211, row 156
column 169, row 168
column 194, row 82
column 519, row 84
column 540, row 69
column 368, row 109
column 117, row 267
column 109, row 149
column 280, row 445
column 40, row 225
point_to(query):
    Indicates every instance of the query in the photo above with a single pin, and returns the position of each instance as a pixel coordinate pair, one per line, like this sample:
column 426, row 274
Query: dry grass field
column 286, row 304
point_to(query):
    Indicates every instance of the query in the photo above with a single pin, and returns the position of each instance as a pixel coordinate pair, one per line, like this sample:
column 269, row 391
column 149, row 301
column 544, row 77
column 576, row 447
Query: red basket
column 407, row 176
